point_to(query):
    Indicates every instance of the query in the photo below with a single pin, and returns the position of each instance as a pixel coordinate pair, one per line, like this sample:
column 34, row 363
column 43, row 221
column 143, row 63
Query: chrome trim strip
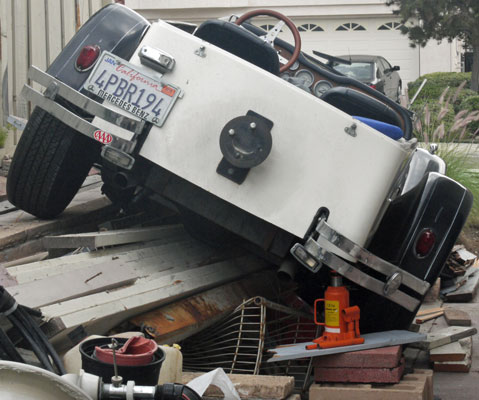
column 72, row 119
column 84, row 102
column 367, row 258
column 359, row 277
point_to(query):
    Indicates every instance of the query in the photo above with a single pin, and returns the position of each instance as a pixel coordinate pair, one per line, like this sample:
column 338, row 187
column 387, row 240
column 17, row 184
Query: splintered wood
column 112, row 275
column 463, row 276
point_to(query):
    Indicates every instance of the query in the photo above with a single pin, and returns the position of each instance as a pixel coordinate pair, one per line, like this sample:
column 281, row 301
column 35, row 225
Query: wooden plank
column 101, row 312
column 428, row 311
column 21, row 57
column 250, row 386
column 72, row 285
column 54, row 29
column 94, row 240
column 19, row 227
column 6, row 207
column 68, row 20
column 38, row 42
column 449, row 352
column 445, row 336
column 467, row 291
column 9, row 20
column 27, row 260
column 463, row 365
column 149, row 263
column 457, row 317
column 84, row 6
column 6, row 279
column 21, row 250
column 135, row 252
column 428, row 317
column 175, row 322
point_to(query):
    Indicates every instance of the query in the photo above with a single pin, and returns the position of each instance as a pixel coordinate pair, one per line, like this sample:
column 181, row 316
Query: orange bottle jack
column 341, row 326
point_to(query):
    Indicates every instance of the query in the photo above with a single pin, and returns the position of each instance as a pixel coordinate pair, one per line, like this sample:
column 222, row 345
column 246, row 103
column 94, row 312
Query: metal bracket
column 201, row 51
column 351, row 130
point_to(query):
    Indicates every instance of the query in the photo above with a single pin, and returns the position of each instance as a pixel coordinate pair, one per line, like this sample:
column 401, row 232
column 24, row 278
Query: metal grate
column 239, row 343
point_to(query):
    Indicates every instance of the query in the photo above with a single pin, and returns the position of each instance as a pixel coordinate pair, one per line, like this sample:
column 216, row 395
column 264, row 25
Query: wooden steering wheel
column 273, row 33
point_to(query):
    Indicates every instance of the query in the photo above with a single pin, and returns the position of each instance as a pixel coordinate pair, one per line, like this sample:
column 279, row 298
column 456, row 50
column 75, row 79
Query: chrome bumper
column 55, row 88
column 313, row 256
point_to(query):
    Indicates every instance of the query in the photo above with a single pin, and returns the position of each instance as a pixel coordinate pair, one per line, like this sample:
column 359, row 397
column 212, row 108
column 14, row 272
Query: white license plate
column 122, row 84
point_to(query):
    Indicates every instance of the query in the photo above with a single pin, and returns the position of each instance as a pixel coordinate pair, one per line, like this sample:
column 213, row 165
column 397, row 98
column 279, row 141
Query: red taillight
column 87, row 57
column 372, row 85
column 425, row 242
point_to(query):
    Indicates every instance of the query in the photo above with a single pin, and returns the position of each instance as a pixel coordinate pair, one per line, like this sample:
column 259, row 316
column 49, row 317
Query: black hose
column 32, row 311
column 42, row 357
column 30, row 323
column 9, row 348
column 175, row 391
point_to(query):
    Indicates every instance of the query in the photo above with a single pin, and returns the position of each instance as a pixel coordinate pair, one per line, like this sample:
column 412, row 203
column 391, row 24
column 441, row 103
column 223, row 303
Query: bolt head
column 252, row 125
column 231, row 132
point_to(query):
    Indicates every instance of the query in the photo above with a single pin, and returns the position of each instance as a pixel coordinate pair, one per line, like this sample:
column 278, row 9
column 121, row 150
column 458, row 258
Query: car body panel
column 311, row 155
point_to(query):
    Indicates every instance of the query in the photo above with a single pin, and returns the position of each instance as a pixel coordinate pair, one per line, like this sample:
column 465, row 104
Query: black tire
column 50, row 163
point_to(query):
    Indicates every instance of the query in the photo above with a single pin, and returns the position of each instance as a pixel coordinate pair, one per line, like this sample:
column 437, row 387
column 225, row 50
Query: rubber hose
column 43, row 339
column 9, row 348
column 42, row 357
column 175, row 391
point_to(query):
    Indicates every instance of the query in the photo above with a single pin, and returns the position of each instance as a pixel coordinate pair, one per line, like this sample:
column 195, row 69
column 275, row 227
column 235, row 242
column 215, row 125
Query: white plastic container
column 172, row 367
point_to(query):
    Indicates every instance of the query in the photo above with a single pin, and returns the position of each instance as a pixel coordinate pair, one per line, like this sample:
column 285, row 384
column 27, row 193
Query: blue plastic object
column 393, row 131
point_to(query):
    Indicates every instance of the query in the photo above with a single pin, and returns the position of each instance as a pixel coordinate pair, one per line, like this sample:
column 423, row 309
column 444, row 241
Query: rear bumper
column 56, row 93
column 390, row 266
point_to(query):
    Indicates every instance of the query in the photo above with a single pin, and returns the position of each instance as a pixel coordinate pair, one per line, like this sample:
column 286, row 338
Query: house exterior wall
column 395, row 47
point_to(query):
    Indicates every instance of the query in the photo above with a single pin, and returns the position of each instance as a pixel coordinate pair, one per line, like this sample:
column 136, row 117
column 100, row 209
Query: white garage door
column 372, row 36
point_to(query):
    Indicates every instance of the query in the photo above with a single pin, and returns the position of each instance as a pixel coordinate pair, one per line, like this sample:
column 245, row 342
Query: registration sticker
column 122, row 84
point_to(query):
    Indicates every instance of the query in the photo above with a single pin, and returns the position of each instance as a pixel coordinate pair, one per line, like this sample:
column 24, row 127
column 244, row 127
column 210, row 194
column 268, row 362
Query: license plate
column 122, row 84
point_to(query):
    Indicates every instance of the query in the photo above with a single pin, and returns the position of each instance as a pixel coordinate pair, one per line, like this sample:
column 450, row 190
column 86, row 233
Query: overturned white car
column 244, row 134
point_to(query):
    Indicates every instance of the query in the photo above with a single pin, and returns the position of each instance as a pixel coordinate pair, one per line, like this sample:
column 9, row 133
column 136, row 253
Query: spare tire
column 50, row 163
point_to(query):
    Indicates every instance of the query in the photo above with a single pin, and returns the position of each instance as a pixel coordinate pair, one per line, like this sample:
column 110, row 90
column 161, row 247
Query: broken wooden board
column 414, row 386
column 450, row 352
column 445, row 336
column 250, row 386
column 100, row 312
column 18, row 227
column 465, row 292
column 94, row 240
column 72, row 285
column 174, row 322
column 463, row 365
column 128, row 253
column 150, row 262
column 371, row 341
column 455, row 317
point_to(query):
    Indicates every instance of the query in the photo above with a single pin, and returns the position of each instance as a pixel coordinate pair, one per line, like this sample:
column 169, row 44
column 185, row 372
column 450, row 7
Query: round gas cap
column 246, row 141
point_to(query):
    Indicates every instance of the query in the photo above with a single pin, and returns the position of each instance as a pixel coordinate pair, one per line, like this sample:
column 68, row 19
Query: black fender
column 114, row 28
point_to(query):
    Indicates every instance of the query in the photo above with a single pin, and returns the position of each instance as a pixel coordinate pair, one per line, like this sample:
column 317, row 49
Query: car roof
column 359, row 57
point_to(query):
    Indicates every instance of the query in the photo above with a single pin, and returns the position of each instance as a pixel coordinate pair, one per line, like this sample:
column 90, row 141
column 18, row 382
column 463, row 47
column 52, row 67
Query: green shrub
column 437, row 82
column 3, row 137
column 438, row 122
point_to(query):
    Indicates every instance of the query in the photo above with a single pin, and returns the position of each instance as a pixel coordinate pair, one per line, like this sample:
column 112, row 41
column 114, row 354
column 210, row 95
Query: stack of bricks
column 369, row 374
column 383, row 365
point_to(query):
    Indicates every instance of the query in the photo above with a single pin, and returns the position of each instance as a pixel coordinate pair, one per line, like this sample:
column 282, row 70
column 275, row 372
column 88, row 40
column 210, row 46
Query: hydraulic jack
column 341, row 326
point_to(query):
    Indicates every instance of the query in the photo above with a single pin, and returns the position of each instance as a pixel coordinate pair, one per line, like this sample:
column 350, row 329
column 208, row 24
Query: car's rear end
column 234, row 147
